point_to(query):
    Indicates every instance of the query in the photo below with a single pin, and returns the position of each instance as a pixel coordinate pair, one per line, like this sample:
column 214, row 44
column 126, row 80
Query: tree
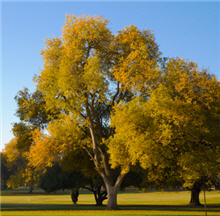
column 5, row 172
column 72, row 162
column 62, row 176
column 97, row 187
column 16, row 164
column 32, row 114
column 135, row 178
column 175, row 128
column 56, row 178
column 86, row 72
column 200, row 155
column 69, row 160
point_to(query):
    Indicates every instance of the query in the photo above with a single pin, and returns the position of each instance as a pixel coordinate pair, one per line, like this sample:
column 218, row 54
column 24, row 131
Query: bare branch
column 120, row 179
column 116, row 94
column 82, row 115
column 88, row 188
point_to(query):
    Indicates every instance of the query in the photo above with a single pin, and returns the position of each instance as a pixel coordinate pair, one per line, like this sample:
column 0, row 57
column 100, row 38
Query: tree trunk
column 195, row 191
column 32, row 181
column 205, row 203
column 99, row 195
column 112, row 197
column 106, row 175
column 31, row 189
column 112, row 190
column 99, row 199
column 74, row 195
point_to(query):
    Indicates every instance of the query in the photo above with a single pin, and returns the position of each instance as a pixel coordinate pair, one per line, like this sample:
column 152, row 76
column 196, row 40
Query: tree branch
column 92, row 133
column 93, row 158
column 82, row 115
column 105, row 162
column 119, row 180
column 116, row 94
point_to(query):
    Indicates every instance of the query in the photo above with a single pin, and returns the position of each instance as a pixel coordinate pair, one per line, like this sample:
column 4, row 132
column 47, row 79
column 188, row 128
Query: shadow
column 22, row 193
column 214, row 208
column 36, row 207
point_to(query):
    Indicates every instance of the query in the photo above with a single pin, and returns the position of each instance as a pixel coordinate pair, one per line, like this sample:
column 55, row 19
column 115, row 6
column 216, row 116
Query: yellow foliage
column 15, row 180
column 64, row 136
column 137, row 66
column 44, row 151
column 81, row 70
column 11, row 151
column 179, row 122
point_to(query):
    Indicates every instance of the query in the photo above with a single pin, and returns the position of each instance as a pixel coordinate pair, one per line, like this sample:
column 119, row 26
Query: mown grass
column 154, row 203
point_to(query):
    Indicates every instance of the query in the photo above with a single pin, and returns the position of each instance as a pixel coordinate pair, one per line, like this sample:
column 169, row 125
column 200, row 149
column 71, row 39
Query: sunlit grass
column 105, row 213
column 155, row 203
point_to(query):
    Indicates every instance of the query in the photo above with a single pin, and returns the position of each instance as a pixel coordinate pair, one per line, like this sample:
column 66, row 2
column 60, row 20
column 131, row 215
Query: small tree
column 56, row 179
column 16, row 164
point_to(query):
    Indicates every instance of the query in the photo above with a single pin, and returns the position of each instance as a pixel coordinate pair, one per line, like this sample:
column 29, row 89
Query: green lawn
column 143, row 204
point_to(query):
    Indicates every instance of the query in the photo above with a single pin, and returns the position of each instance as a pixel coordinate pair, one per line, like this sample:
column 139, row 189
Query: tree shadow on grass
column 35, row 207
column 213, row 208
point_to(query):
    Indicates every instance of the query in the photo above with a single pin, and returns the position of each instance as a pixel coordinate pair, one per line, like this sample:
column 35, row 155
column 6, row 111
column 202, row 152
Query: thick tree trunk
column 112, row 197
column 195, row 191
column 112, row 190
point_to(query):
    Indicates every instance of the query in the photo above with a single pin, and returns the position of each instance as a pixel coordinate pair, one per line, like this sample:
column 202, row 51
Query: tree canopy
column 175, row 129
column 86, row 72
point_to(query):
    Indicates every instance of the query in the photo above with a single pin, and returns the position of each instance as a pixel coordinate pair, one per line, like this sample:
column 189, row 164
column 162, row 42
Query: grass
column 139, row 204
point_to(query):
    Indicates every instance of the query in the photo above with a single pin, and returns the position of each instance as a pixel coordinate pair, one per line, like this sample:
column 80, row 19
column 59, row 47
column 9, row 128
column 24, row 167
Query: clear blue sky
column 187, row 29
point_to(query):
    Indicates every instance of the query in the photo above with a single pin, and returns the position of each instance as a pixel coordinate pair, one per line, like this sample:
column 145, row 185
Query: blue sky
column 182, row 29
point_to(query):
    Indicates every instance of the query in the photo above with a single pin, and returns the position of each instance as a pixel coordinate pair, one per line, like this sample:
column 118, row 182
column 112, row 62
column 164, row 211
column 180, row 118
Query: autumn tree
column 16, row 164
column 200, row 91
column 59, row 151
column 86, row 72
column 56, row 178
column 90, row 179
column 176, row 128
column 32, row 114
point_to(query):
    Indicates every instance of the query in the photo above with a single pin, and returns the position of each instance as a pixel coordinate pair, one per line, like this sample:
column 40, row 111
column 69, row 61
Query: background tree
column 69, row 159
column 135, row 178
column 56, row 178
column 32, row 114
column 201, row 92
column 16, row 164
column 86, row 72
column 175, row 128
column 5, row 172
column 92, row 181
